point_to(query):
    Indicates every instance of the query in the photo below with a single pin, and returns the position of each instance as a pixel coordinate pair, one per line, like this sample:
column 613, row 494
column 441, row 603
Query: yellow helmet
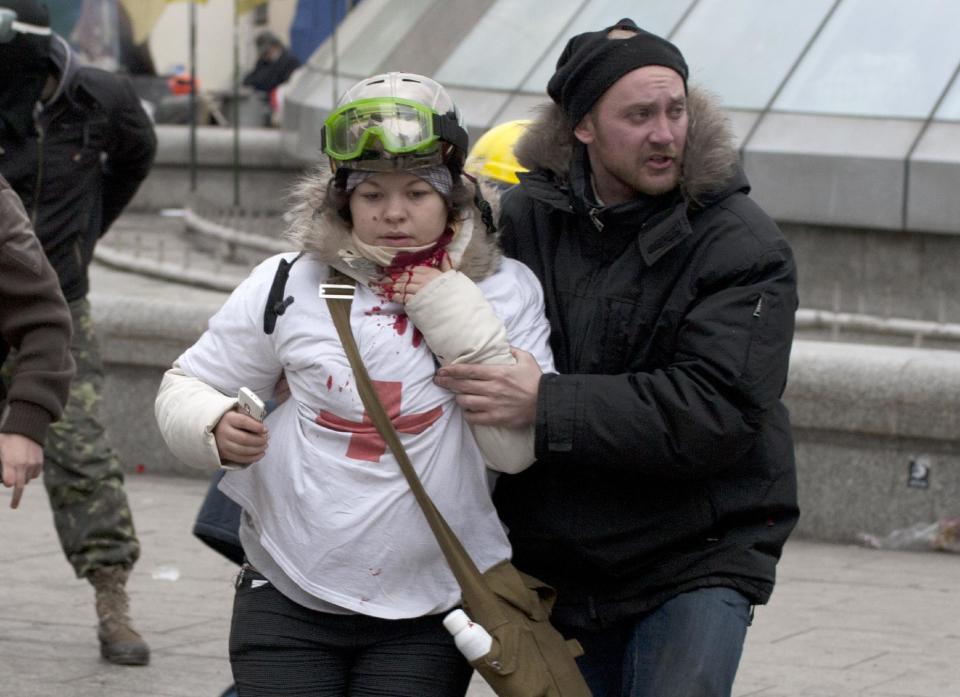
column 492, row 156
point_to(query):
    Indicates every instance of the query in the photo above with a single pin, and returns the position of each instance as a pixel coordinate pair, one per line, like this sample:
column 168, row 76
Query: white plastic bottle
column 473, row 640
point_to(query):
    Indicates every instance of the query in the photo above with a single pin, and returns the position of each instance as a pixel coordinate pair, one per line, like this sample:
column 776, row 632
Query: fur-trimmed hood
column 710, row 161
column 317, row 228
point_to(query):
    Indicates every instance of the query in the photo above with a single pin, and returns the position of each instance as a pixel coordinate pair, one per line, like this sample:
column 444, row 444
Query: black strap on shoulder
column 276, row 303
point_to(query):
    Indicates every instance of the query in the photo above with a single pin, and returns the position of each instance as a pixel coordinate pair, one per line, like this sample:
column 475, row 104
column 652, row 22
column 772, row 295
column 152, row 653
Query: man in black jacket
column 75, row 145
column 665, row 484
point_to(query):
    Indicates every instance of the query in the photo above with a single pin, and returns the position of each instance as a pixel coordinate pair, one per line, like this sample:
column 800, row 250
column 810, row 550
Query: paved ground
column 843, row 621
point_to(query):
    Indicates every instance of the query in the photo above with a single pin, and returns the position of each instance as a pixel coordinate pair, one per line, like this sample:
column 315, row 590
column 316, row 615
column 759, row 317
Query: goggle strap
column 449, row 130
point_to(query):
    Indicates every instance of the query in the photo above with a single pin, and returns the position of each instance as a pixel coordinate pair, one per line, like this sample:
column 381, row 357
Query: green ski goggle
column 387, row 125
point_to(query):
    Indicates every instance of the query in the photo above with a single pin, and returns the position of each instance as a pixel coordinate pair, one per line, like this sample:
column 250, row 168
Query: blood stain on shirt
column 329, row 382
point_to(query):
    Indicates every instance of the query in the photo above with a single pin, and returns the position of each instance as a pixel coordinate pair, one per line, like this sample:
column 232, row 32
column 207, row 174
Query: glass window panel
column 371, row 31
column 311, row 84
column 950, row 109
column 743, row 49
column 478, row 107
column 658, row 16
column 506, row 43
column 878, row 58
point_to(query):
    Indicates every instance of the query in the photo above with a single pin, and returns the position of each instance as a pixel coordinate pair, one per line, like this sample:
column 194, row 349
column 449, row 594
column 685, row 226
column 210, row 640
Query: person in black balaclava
column 24, row 63
column 75, row 145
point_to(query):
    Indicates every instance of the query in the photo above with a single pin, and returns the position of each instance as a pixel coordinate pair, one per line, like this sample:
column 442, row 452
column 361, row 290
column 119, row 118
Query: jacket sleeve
column 132, row 148
column 458, row 323
column 703, row 411
column 188, row 432
column 35, row 321
column 202, row 384
column 460, row 326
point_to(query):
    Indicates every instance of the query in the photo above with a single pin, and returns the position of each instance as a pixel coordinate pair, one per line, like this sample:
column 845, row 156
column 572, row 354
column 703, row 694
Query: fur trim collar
column 709, row 160
column 320, row 231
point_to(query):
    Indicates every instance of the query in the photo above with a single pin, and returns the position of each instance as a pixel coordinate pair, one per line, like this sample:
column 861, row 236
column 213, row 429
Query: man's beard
column 640, row 180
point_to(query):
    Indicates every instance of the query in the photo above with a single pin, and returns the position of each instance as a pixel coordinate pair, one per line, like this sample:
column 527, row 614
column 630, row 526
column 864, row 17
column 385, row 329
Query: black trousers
column 279, row 648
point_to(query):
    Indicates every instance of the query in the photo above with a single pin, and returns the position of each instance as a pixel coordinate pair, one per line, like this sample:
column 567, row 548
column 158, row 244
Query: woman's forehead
column 383, row 179
column 393, row 180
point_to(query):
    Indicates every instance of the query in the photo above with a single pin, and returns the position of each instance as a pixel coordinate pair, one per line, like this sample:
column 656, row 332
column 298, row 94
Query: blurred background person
column 274, row 64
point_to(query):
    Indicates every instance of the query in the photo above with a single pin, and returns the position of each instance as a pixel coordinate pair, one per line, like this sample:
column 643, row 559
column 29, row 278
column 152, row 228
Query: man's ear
column 584, row 130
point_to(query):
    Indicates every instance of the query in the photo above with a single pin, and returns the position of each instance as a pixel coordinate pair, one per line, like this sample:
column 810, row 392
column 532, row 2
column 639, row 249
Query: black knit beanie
column 591, row 63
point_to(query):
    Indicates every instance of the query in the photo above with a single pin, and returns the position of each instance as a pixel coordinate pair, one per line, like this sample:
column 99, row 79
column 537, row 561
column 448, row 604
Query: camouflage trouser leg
column 81, row 472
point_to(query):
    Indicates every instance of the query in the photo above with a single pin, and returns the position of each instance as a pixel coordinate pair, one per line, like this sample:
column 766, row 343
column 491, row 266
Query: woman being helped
column 346, row 586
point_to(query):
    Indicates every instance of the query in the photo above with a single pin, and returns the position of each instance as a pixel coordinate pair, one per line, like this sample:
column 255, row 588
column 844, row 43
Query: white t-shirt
column 329, row 500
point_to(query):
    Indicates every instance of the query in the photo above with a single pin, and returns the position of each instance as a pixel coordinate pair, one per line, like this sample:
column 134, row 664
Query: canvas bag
column 529, row 657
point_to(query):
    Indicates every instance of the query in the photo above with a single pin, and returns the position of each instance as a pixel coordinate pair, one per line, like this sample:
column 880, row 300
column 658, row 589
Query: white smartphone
column 251, row 404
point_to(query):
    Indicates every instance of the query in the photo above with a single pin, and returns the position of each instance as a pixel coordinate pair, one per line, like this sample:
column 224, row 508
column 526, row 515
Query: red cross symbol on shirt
column 366, row 443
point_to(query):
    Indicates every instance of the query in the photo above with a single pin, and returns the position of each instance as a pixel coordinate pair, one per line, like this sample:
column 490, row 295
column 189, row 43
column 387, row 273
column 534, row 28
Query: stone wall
column 265, row 177
column 140, row 338
column 878, row 272
column 877, row 433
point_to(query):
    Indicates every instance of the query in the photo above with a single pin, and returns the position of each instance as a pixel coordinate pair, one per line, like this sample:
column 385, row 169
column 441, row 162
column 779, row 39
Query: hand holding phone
column 240, row 446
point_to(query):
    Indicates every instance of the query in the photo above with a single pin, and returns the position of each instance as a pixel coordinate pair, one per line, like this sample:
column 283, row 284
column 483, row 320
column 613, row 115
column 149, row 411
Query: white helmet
column 395, row 121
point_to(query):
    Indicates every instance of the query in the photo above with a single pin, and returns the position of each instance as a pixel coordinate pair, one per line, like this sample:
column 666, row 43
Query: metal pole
column 236, row 103
column 333, row 45
column 193, row 96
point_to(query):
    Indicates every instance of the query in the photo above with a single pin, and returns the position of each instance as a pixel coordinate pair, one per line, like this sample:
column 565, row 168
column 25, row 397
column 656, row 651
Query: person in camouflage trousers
column 75, row 144
column 84, row 480
column 81, row 472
